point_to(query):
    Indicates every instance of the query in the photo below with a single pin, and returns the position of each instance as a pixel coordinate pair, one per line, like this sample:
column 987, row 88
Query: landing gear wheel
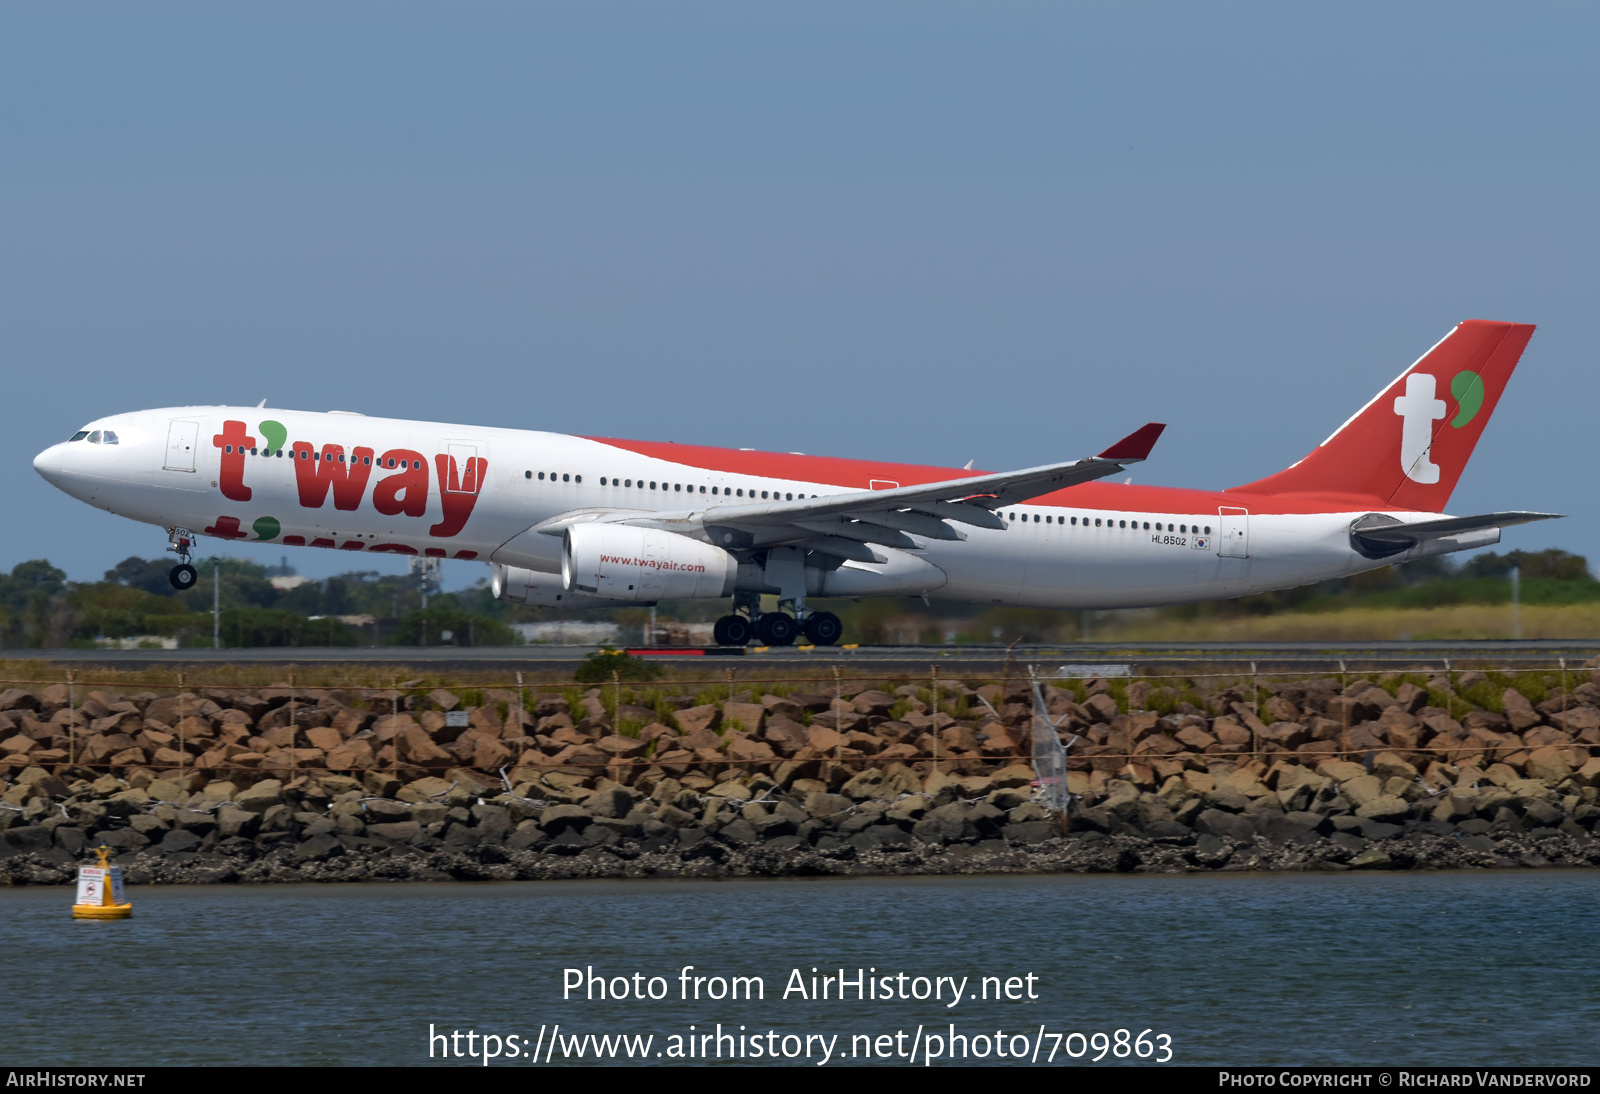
column 183, row 577
column 776, row 629
column 731, row 630
column 823, row 628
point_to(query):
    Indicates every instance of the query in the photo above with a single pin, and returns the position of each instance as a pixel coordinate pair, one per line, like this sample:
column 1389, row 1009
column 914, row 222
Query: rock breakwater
column 298, row 784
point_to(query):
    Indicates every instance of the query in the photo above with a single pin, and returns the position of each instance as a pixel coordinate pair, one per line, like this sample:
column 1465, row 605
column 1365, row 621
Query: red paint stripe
column 1094, row 496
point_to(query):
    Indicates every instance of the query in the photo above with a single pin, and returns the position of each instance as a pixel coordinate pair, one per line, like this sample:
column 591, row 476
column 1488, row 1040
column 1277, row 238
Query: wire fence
column 504, row 705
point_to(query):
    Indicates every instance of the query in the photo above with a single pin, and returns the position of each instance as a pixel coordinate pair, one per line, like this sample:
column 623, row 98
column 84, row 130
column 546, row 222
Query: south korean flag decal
column 1202, row 543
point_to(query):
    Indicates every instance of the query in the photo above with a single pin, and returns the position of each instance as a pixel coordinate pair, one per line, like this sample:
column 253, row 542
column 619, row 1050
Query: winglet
column 1136, row 445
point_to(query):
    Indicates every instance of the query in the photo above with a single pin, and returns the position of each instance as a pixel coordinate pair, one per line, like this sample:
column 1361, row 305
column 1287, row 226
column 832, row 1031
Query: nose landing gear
column 183, row 575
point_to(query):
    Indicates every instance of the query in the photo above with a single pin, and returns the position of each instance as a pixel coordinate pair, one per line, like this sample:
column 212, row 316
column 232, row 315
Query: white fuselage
column 474, row 493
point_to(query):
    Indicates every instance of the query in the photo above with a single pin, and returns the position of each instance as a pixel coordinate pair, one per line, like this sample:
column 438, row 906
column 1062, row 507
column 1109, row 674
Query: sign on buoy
column 100, row 891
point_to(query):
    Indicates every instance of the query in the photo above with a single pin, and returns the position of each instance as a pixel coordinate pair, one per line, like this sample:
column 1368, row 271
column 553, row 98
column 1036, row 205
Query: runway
column 1060, row 660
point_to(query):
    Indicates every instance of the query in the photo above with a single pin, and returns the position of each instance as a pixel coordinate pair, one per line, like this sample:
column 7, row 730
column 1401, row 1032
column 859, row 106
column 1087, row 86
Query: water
column 1436, row 968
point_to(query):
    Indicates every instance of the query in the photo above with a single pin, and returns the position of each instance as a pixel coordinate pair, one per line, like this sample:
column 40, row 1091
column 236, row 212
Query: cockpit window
column 110, row 437
column 78, row 436
column 94, row 438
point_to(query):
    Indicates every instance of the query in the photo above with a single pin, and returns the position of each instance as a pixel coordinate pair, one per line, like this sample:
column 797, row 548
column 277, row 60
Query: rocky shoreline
column 322, row 785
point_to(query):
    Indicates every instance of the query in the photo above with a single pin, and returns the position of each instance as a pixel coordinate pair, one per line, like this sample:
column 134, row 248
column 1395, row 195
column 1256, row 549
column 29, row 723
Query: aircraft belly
column 984, row 569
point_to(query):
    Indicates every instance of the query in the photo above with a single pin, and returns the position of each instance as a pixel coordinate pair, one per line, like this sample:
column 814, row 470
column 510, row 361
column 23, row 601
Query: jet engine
column 522, row 586
column 627, row 563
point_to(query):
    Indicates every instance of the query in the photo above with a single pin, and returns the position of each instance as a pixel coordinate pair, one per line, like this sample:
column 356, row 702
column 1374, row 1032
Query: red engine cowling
column 523, row 586
column 625, row 563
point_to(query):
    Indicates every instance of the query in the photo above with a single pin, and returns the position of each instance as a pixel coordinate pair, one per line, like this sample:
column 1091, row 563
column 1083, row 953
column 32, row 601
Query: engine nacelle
column 542, row 590
column 626, row 563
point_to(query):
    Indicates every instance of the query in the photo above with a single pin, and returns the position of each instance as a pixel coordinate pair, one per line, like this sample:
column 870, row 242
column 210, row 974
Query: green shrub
column 599, row 666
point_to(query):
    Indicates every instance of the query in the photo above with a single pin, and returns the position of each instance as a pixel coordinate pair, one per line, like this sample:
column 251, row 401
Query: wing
column 844, row 524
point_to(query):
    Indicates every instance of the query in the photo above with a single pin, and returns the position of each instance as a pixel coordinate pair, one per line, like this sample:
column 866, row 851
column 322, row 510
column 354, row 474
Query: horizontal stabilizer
column 1379, row 535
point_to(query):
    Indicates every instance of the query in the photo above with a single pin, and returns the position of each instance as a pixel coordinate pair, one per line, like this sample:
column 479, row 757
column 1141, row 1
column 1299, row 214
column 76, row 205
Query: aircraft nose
column 48, row 464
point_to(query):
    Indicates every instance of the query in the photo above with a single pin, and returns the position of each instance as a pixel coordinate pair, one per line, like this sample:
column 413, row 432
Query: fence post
column 72, row 721
column 838, row 703
column 522, row 730
column 183, row 707
column 616, row 715
column 1344, row 713
column 294, row 728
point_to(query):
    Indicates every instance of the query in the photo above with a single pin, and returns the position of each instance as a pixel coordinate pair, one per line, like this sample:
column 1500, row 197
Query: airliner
column 587, row 522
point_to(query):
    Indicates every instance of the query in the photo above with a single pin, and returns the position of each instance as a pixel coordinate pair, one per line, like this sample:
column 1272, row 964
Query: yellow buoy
column 100, row 891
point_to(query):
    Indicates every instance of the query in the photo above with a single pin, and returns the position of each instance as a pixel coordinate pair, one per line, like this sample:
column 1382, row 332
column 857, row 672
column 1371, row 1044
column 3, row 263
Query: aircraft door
column 1234, row 541
column 182, row 436
column 464, row 470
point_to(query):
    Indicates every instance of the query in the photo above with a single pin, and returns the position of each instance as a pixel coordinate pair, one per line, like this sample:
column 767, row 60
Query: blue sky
column 1003, row 232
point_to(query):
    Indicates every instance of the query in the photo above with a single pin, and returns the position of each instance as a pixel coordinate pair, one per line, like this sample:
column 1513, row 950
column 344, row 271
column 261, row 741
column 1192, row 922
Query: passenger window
column 763, row 493
column 702, row 490
column 577, row 478
column 1122, row 524
column 566, row 478
column 1208, row 529
column 1097, row 522
column 740, row 492
column 527, row 474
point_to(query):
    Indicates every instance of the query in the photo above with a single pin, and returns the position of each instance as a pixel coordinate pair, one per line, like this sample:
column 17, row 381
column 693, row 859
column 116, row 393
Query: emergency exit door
column 1234, row 540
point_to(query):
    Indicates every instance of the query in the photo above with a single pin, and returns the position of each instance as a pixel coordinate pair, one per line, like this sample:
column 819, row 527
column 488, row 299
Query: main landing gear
column 183, row 575
column 775, row 628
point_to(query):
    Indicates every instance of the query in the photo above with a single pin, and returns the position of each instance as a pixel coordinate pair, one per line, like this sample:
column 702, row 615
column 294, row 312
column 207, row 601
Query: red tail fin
column 1409, row 445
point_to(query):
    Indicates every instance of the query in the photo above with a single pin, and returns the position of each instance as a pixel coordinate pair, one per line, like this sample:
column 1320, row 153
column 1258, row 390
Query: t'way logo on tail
column 1413, row 462
column 1418, row 410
